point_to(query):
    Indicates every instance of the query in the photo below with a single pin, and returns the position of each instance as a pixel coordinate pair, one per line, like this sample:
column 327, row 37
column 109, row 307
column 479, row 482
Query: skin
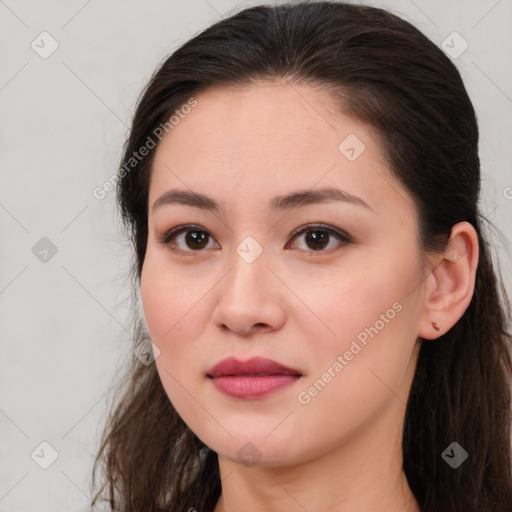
column 341, row 451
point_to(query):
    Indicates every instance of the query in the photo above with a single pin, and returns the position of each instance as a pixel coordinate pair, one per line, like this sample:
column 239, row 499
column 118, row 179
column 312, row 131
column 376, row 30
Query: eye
column 196, row 238
column 318, row 237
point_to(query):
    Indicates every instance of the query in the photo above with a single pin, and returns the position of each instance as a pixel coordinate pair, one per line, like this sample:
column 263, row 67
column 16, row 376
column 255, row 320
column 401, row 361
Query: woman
column 301, row 186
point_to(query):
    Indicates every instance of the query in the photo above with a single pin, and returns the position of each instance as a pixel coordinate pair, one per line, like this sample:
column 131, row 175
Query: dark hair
column 386, row 73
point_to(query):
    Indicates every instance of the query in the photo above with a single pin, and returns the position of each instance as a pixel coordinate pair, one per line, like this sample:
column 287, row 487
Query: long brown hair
column 385, row 72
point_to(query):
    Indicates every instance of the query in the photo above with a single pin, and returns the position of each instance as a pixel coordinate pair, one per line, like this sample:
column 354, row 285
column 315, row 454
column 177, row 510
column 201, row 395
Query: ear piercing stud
column 435, row 325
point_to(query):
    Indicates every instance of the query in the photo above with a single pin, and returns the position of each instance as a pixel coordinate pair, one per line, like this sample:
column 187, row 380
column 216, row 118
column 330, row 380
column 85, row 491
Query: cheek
column 166, row 298
column 373, row 317
column 362, row 300
column 156, row 294
column 175, row 315
column 368, row 324
column 173, row 327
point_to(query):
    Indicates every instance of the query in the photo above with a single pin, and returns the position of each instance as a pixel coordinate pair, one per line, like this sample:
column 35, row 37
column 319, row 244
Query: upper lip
column 254, row 366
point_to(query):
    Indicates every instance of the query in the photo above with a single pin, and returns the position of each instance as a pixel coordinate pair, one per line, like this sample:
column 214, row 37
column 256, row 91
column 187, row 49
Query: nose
column 250, row 298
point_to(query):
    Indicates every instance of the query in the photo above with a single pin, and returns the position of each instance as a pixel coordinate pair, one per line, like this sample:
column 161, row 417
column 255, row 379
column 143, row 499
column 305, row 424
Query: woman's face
column 338, row 302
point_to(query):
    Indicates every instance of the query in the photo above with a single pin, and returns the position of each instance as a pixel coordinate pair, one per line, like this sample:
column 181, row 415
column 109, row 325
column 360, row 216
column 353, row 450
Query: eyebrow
column 276, row 204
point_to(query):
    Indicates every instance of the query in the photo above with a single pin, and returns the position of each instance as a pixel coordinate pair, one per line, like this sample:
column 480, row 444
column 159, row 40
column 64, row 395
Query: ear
column 450, row 286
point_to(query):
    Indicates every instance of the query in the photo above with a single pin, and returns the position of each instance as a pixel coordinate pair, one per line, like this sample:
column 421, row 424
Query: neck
column 364, row 474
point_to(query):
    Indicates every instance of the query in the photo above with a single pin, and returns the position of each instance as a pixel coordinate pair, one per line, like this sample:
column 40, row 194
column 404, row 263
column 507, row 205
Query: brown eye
column 318, row 238
column 196, row 239
column 186, row 239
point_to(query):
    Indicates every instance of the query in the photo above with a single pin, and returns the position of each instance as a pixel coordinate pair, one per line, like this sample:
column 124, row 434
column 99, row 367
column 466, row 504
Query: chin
column 255, row 450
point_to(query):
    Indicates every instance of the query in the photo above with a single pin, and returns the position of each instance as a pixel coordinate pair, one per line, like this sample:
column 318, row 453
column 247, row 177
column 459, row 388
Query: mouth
column 252, row 379
column 254, row 367
column 251, row 387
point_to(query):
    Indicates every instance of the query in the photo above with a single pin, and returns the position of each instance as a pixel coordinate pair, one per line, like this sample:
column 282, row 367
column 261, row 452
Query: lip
column 255, row 366
column 251, row 379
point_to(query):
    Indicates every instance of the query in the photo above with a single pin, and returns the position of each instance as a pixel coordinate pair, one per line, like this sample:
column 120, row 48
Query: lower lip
column 251, row 387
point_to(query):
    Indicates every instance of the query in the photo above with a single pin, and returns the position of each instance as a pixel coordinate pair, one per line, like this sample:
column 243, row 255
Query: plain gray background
column 64, row 321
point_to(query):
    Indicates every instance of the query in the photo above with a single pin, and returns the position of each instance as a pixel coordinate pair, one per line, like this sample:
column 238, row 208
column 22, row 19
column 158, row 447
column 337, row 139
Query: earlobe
column 451, row 284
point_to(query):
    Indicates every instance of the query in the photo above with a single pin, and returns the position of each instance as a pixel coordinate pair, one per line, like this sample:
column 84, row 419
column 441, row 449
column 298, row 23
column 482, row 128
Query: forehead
column 234, row 120
column 268, row 138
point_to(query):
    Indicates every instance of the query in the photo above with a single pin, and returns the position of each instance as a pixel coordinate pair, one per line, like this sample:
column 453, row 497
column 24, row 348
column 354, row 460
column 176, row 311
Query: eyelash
column 343, row 238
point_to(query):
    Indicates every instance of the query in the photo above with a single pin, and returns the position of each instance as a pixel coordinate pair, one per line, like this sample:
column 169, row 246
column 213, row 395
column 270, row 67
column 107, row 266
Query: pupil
column 314, row 238
column 195, row 237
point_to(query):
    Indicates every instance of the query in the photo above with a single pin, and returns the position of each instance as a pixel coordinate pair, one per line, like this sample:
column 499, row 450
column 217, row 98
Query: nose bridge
column 248, row 263
column 246, row 297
